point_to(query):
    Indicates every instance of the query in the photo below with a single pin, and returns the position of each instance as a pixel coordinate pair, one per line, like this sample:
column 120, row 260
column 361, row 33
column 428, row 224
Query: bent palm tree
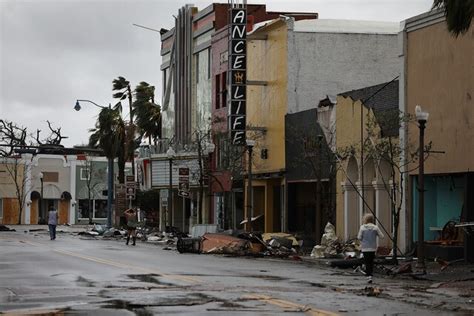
column 108, row 135
column 459, row 14
column 123, row 91
column 147, row 113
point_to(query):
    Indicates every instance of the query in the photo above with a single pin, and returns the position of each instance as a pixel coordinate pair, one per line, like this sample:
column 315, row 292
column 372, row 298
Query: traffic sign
column 183, row 193
column 183, row 184
column 184, row 171
column 131, row 193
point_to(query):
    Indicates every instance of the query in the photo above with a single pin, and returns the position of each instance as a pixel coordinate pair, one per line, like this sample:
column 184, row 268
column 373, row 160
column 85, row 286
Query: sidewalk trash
column 351, row 263
column 200, row 229
column 89, row 233
column 372, row 291
column 224, row 244
column 100, row 229
column 4, row 228
column 191, row 245
column 283, row 239
column 329, row 243
column 404, row 268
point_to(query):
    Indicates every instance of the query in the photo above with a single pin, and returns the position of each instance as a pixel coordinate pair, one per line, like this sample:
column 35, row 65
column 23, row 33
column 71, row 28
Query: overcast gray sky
column 53, row 52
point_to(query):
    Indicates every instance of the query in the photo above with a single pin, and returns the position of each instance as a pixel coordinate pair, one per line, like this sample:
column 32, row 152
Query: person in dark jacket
column 52, row 222
column 368, row 234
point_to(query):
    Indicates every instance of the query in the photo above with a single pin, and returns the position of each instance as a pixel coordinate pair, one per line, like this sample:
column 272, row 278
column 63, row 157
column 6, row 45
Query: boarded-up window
column 50, row 177
column 85, row 173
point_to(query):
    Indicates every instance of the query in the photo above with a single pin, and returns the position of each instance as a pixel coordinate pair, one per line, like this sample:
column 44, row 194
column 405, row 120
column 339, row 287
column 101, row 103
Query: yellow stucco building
column 266, row 109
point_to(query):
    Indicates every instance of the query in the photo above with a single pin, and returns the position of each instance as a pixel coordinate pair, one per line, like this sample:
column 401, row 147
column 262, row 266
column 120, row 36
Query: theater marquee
column 237, row 74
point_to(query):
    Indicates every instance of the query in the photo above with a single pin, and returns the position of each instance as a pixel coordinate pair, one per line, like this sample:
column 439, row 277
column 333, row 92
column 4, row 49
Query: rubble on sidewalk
column 224, row 244
column 332, row 247
column 241, row 243
column 4, row 228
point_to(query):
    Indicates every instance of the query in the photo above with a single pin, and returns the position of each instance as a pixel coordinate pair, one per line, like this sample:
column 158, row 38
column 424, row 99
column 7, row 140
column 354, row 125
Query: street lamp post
column 78, row 107
column 170, row 154
column 41, row 197
column 110, row 168
column 422, row 118
column 250, row 145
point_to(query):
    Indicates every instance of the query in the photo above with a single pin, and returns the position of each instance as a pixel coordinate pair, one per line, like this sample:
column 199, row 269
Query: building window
column 197, row 67
column 50, row 176
column 85, row 174
column 218, row 92
column 165, row 77
column 209, row 60
column 224, row 89
column 224, row 57
column 222, row 153
column 98, row 208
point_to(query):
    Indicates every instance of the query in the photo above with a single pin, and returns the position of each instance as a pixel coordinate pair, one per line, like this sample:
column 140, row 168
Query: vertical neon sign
column 237, row 74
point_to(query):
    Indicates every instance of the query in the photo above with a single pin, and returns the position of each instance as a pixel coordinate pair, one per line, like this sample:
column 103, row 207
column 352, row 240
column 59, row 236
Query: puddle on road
column 81, row 281
column 314, row 284
column 139, row 307
column 148, row 278
column 266, row 277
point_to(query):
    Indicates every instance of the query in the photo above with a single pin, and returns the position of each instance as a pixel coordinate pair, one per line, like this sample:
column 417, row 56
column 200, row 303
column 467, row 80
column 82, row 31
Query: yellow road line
column 119, row 264
column 129, row 266
column 287, row 304
column 263, row 298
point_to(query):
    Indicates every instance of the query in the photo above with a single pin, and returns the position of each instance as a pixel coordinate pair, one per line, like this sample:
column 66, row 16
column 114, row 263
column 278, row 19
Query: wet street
column 79, row 275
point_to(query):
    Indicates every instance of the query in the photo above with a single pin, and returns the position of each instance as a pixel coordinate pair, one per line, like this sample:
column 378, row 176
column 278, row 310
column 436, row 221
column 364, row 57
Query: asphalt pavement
column 90, row 276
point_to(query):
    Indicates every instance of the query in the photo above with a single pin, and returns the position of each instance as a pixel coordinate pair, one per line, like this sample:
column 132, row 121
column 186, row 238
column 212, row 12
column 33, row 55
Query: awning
column 96, row 192
column 51, row 191
column 35, row 195
column 66, row 195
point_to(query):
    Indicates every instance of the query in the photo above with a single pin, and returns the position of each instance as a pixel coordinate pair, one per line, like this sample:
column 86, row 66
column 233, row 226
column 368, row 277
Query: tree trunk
column 201, row 182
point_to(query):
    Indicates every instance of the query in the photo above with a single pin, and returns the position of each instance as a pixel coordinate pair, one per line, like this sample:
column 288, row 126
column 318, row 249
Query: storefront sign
column 238, row 74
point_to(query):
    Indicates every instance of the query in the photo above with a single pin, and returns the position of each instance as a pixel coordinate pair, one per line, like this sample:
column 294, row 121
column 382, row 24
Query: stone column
column 351, row 211
column 383, row 210
column 28, row 187
column 72, row 185
column 368, row 190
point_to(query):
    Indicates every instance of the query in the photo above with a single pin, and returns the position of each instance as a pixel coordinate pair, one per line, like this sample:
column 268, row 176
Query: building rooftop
column 383, row 100
column 346, row 26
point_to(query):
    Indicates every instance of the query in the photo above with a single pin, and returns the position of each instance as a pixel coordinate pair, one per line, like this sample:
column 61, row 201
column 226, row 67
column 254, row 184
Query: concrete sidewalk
column 454, row 272
column 59, row 228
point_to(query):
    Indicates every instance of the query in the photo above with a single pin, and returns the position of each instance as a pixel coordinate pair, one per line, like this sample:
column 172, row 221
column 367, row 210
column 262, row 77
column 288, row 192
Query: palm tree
column 109, row 135
column 459, row 14
column 147, row 113
column 104, row 134
column 124, row 91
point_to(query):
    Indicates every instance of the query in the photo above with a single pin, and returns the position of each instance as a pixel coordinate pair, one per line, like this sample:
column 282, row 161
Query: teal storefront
column 447, row 198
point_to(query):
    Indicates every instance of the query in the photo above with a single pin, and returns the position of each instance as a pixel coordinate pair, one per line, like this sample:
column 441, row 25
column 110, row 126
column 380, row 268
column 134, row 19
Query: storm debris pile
column 4, row 228
column 332, row 247
column 240, row 243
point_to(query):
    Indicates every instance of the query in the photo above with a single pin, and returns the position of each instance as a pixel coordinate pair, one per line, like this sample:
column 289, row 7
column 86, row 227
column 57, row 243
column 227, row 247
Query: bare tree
column 11, row 136
column 17, row 170
column 92, row 180
column 54, row 137
column 386, row 150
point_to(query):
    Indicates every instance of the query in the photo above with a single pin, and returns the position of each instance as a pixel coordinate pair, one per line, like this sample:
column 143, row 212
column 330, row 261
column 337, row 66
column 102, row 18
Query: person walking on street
column 368, row 234
column 52, row 222
column 132, row 223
